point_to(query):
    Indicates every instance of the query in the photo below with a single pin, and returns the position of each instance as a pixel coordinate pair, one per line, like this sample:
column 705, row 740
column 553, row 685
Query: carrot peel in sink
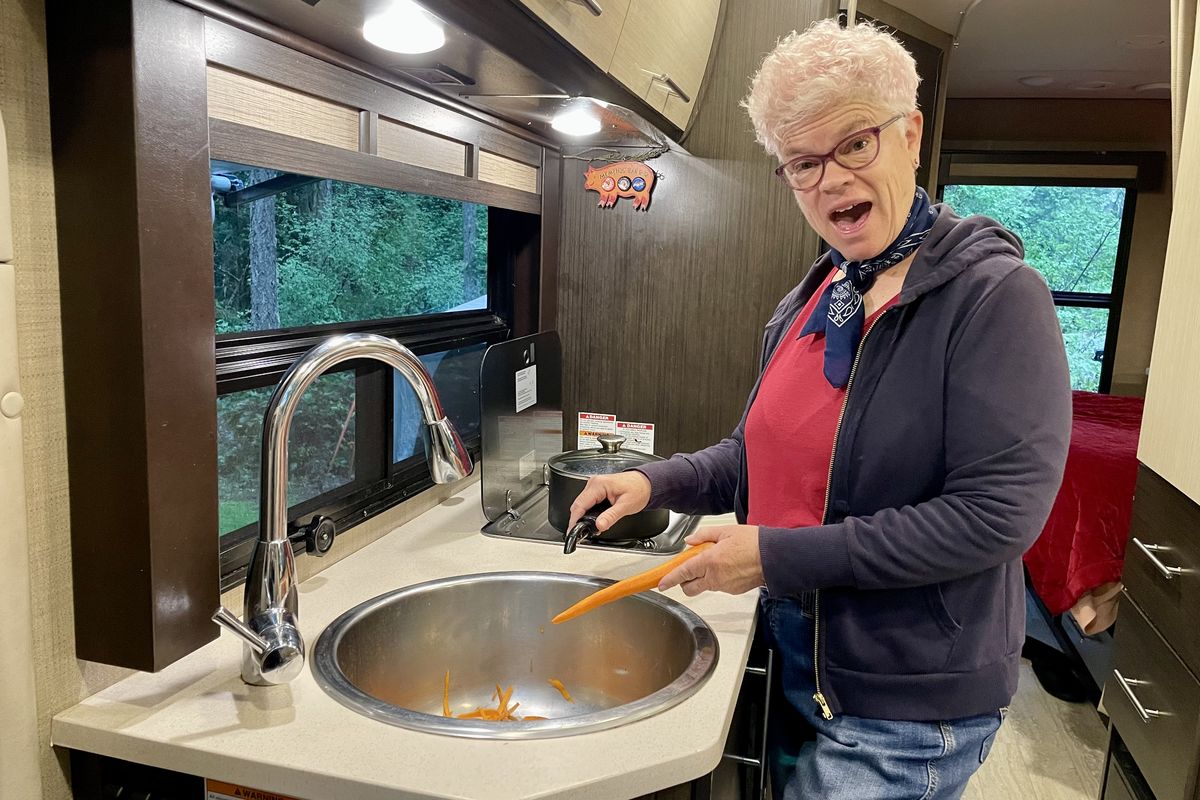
column 446, row 695
column 641, row 582
column 503, row 712
column 557, row 684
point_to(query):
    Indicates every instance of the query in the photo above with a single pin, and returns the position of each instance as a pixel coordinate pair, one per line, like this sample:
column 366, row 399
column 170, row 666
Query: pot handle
column 585, row 528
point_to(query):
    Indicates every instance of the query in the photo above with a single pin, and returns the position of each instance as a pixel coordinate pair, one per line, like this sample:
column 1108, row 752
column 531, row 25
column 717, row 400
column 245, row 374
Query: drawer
column 1162, row 563
column 1122, row 780
column 1161, row 734
column 1115, row 787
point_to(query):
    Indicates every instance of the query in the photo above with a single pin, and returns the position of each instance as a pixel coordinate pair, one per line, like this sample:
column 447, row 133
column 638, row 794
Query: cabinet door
column 668, row 38
column 1154, row 703
column 1170, row 440
column 593, row 36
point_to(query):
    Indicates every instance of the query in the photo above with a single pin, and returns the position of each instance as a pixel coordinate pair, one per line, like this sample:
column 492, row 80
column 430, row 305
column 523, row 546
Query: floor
column 1046, row 750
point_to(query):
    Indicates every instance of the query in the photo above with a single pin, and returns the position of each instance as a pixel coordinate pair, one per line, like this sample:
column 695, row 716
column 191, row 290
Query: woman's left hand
column 731, row 565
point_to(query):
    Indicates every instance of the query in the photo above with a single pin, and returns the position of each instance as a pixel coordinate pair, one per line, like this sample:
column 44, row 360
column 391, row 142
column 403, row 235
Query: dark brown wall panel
column 130, row 137
column 661, row 312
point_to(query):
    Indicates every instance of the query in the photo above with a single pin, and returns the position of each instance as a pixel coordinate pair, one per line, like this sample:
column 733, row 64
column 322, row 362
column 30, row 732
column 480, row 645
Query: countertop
column 197, row 717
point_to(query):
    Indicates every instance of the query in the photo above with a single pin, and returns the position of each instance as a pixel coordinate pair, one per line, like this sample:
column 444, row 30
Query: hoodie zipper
column 819, row 696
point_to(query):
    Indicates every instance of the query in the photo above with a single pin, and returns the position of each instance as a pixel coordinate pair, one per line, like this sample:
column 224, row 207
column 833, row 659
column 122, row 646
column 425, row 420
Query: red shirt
column 790, row 429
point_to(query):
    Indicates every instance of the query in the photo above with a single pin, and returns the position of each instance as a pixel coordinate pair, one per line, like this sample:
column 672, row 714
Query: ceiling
column 466, row 67
column 1124, row 43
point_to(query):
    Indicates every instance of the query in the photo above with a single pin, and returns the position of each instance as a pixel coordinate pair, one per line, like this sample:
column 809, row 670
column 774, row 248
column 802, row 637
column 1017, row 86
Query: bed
column 1075, row 565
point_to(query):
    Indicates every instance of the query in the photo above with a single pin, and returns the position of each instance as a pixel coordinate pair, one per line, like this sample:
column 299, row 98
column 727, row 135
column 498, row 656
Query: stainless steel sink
column 386, row 658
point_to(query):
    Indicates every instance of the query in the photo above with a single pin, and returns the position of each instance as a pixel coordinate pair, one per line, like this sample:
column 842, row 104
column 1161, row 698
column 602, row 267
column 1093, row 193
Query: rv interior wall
column 664, row 323
column 1005, row 124
column 20, row 774
column 61, row 680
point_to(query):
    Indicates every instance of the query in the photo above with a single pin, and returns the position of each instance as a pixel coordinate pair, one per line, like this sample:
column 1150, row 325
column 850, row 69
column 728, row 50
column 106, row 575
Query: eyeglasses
column 856, row 151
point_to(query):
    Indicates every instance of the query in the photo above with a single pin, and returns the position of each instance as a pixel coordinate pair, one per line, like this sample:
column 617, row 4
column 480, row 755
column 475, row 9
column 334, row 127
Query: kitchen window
column 297, row 258
column 1076, row 233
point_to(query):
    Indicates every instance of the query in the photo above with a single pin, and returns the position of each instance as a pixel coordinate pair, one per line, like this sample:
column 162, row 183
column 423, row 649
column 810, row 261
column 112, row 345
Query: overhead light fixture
column 577, row 119
column 1157, row 86
column 1093, row 86
column 1036, row 80
column 404, row 27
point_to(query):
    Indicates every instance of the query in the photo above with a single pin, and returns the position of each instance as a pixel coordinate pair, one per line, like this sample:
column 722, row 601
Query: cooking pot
column 569, row 473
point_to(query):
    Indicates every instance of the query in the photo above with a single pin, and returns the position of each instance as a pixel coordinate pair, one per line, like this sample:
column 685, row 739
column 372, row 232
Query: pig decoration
column 623, row 179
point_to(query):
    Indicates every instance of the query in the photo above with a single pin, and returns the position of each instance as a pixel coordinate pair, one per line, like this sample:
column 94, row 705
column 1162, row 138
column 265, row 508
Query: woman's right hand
column 628, row 492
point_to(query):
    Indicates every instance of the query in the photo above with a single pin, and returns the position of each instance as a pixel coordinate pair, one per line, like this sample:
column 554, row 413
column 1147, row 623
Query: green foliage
column 320, row 455
column 345, row 252
column 1070, row 235
column 349, row 252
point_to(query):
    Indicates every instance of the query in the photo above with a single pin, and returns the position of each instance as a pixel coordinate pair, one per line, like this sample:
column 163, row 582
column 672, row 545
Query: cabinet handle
column 1127, row 684
column 672, row 85
column 592, row 6
column 1149, row 550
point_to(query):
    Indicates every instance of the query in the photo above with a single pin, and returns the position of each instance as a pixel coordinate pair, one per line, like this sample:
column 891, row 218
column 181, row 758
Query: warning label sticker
column 592, row 425
column 219, row 790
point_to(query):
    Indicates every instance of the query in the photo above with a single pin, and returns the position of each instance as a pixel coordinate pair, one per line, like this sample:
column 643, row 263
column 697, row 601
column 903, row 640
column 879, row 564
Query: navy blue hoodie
column 950, row 452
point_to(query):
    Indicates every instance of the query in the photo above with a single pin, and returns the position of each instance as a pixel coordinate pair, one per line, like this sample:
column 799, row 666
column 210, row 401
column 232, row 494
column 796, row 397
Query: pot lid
column 606, row 459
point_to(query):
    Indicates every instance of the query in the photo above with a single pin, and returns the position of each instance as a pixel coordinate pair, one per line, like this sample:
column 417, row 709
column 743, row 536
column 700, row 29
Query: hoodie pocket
column 937, row 606
column 892, row 631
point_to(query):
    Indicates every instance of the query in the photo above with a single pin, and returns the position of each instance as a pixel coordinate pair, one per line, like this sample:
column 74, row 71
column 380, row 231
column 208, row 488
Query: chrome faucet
column 273, row 650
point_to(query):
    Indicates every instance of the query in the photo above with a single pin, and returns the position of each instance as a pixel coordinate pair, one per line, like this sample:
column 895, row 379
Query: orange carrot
column 531, row 717
column 638, row 583
column 446, row 695
column 557, row 684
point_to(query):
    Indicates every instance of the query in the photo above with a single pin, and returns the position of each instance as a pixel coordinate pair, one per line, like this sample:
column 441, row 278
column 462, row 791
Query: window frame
column 247, row 360
column 1112, row 301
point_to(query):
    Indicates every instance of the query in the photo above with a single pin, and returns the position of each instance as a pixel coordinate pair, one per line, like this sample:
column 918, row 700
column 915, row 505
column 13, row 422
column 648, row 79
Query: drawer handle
column 672, row 85
column 1149, row 550
column 592, row 6
column 1127, row 684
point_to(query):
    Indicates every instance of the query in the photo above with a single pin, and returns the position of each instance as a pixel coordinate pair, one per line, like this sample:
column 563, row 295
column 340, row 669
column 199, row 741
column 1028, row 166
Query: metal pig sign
column 622, row 179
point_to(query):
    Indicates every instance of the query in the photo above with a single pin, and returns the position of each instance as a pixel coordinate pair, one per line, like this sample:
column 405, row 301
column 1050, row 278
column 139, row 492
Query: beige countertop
column 197, row 716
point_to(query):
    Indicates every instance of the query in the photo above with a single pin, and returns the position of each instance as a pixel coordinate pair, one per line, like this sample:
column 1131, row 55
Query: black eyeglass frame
column 781, row 173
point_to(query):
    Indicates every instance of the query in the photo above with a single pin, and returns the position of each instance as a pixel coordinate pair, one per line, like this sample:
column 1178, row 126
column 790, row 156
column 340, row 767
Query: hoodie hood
column 953, row 245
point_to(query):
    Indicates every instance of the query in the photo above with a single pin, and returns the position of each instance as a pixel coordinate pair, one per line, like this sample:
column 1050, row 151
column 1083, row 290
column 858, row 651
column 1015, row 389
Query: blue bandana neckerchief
column 839, row 312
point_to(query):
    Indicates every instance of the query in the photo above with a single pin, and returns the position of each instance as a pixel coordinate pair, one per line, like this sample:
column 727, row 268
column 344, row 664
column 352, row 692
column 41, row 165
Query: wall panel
column 661, row 312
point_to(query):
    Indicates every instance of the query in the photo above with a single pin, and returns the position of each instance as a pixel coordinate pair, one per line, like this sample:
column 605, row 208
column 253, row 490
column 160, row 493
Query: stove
column 528, row 522
column 521, row 427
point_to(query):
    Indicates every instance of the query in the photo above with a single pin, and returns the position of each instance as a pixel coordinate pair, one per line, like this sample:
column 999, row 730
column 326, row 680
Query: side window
column 297, row 258
column 1073, row 236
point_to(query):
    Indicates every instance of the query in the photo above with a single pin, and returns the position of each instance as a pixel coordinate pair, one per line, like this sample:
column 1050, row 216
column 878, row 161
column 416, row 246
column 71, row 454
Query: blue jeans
column 855, row 758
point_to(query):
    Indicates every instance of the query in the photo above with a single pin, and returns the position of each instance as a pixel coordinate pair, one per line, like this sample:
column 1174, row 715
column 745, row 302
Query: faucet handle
column 277, row 651
column 229, row 621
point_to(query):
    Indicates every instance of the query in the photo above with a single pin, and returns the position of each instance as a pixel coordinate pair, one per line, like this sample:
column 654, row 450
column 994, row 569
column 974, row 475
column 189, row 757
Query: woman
column 899, row 453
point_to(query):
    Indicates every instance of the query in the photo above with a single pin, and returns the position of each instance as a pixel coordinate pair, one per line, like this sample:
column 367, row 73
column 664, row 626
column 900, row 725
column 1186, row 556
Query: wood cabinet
column 1152, row 694
column 1170, row 442
column 663, row 52
column 593, row 35
column 658, row 49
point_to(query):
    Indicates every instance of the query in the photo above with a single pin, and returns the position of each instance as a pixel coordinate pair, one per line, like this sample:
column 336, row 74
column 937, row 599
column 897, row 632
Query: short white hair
column 814, row 72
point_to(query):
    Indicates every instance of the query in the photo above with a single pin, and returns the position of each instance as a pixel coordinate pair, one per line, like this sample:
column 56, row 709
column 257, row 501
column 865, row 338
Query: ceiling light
column 1145, row 41
column 1036, row 80
column 577, row 119
column 1158, row 86
column 1092, row 86
column 404, row 27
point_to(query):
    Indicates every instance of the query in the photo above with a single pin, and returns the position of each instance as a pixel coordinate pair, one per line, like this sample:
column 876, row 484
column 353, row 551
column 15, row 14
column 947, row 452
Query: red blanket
column 1083, row 543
